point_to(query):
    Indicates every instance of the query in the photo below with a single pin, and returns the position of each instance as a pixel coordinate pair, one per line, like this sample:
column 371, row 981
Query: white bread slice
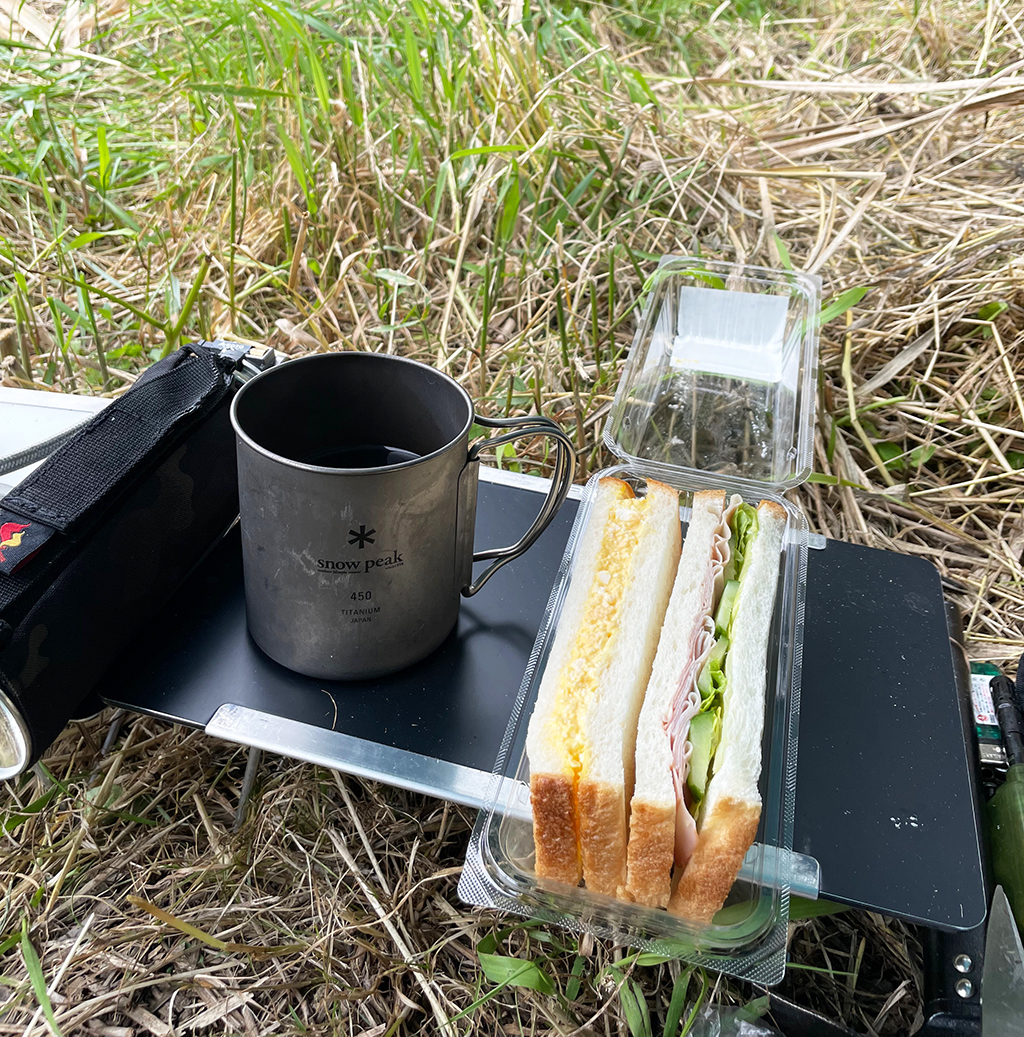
column 552, row 776
column 610, row 723
column 652, row 820
column 579, row 805
column 732, row 804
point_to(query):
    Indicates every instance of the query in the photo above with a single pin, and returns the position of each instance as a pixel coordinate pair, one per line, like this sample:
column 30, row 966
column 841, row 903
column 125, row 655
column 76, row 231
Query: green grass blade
column 841, row 303
column 634, row 1005
column 677, row 1002
column 516, row 972
column 486, row 149
column 412, row 57
column 34, row 969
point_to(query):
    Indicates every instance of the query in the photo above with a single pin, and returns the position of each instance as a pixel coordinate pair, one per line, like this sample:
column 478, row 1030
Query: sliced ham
column 686, row 701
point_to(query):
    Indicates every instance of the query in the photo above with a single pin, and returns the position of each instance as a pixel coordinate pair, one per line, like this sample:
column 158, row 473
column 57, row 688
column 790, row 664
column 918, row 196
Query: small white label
column 984, row 710
column 737, row 334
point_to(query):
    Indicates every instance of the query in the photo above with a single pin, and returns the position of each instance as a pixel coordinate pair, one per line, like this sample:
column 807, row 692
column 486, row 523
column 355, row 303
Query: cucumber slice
column 718, row 652
column 711, row 676
column 701, row 731
column 724, row 612
column 704, row 684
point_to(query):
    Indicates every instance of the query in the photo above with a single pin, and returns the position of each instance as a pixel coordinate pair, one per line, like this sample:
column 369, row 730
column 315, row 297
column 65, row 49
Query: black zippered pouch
column 94, row 541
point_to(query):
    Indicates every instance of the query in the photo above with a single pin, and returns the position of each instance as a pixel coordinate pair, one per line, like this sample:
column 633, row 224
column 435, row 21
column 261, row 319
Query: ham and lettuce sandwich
column 581, row 741
column 696, row 805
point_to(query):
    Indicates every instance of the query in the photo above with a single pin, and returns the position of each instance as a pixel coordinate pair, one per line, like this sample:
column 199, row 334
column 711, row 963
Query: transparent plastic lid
column 722, row 373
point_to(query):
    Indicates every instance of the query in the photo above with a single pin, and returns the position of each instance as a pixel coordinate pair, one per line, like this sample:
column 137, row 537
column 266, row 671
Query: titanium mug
column 357, row 494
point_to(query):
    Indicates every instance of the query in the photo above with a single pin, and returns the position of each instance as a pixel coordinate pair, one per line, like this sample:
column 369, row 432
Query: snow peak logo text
column 349, row 566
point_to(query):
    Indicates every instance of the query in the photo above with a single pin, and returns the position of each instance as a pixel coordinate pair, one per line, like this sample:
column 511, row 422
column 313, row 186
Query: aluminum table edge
column 440, row 778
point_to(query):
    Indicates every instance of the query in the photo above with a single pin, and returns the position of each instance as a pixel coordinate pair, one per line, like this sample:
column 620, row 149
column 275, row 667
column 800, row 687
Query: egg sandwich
column 581, row 740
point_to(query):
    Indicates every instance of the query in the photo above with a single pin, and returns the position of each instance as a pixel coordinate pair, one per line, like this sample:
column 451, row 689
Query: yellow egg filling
column 578, row 680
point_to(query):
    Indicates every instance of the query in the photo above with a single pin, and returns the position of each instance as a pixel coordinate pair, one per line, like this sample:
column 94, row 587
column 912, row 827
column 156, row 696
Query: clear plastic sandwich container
column 718, row 392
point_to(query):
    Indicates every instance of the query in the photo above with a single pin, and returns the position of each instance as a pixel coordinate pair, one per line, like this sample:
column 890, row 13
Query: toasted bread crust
column 713, row 497
column 777, row 511
column 602, row 813
column 725, row 837
column 650, row 854
column 653, row 486
column 554, row 828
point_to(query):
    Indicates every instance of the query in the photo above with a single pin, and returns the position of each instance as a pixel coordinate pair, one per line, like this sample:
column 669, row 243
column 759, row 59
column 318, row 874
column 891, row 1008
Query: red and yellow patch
column 11, row 534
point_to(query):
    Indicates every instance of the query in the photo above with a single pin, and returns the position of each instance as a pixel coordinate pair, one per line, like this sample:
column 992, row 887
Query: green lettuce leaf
column 711, row 681
column 723, row 615
column 712, row 675
column 744, row 527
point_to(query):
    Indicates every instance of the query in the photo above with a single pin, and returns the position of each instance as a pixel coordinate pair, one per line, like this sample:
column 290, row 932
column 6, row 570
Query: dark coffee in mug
column 363, row 455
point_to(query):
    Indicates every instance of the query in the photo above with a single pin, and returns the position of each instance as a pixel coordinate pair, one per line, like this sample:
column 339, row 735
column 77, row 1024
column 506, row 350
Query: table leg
column 251, row 767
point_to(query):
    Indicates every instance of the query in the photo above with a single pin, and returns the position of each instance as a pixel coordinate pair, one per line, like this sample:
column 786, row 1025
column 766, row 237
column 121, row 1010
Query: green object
column 702, row 729
column 986, row 732
column 1005, row 811
column 801, row 908
column 744, row 526
column 712, row 675
column 705, row 682
column 724, row 613
column 706, row 727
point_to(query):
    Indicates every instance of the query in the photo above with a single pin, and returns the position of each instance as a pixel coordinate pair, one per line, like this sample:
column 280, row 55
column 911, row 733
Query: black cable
column 1004, row 700
column 37, row 452
column 1020, row 685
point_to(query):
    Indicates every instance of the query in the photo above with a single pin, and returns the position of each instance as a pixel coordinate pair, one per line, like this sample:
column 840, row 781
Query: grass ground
column 485, row 188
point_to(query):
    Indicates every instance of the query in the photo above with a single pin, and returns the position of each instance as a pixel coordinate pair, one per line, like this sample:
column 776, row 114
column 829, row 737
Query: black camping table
column 886, row 789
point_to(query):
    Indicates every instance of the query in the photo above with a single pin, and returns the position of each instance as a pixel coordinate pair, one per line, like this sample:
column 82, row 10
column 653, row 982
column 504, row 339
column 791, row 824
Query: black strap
column 117, row 441
column 71, row 490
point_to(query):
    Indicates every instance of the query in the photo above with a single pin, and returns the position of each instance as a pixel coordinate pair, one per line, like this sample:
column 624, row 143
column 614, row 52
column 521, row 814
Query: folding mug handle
column 561, row 480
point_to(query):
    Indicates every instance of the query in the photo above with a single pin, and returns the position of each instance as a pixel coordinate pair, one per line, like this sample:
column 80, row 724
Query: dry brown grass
column 812, row 136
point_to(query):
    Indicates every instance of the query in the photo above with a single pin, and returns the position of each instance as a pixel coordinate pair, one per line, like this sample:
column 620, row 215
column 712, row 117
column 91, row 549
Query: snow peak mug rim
column 256, row 445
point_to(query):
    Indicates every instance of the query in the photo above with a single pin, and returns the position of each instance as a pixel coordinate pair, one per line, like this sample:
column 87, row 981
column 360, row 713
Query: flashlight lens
column 13, row 740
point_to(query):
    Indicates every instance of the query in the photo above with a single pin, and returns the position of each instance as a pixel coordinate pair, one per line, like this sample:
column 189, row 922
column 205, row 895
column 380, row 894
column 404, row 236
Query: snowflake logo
column 363, row 537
